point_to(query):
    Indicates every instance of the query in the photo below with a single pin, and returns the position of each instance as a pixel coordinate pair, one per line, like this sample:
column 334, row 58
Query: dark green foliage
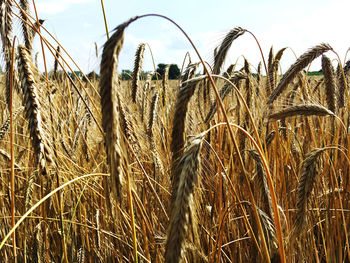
column 174, row 71
column 126, row 74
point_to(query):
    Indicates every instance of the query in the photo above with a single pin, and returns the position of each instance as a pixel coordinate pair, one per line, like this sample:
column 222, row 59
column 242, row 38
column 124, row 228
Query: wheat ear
column 305, row 186
column 146, row 88
column 178, row 133
column 269, row 86
column 303, row 110
column 224, row 47
column 109, row 104
column 27, row 32
column 301, row 63
column 33, row 109
column 262, row 183
column 274, row 67
column 6, row 29
column 153, row 114
column 4, row 128
column 55, row 65
column 341, row 88
column 189, row 165
column 165, row 84
column 329, row 81
column 137, row 70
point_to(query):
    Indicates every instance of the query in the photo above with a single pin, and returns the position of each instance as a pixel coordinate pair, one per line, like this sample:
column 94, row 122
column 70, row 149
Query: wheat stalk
column 178, row 133
column 109, row 104
column 33, row 109
column 55, row 65
column 5, row 126
column 27, row 32
column 262, row 183
column 303, row 110
column 189, row 165
column 274, row 67
column 269, row 72
column 307, row 180
column 146, row 88
column 137, row 70
column 165, row 84
column 301, row 63
column 224, row 47
column 153, row 114
column 329, row 81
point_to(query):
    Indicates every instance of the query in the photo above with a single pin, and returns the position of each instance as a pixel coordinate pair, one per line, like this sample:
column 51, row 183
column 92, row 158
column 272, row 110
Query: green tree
column 126, row 74
column 174, row 71
column 161, row 69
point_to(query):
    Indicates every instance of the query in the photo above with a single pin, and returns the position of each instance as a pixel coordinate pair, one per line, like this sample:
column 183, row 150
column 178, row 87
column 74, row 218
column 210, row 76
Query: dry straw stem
column 303, row 110
column 329, row 81
column 137, row 70
column 224, row 47
column 110, row 108
column 188, row 165
column 301, row 63
column 307, row 180
column 33, row 109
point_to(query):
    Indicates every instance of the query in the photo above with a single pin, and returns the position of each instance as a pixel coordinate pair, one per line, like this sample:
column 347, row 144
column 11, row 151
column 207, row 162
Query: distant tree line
column 174, row 72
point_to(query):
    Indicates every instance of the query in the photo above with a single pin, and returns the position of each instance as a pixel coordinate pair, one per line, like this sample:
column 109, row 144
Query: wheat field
column 226, row 164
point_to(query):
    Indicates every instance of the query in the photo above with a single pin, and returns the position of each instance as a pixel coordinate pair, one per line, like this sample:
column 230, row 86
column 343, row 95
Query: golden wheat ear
column 302, row 110
column 188, row 168
column 309, row 173
column 137, row 70
column 329, row 81
column 109, row 85
column 292, row 72
column 42, row 149
column 220, row 54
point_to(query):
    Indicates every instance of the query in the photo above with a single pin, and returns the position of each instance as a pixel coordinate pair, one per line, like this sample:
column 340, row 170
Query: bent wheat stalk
column 301, row 63
column 220, row 55
column 109, row 104
column 303, row 110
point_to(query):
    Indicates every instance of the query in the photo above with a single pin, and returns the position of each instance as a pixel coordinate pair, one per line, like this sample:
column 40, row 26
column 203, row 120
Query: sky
column 79, row 27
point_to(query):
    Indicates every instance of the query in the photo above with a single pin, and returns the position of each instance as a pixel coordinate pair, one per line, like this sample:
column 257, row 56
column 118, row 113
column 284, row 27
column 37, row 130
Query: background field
column 247, row 165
